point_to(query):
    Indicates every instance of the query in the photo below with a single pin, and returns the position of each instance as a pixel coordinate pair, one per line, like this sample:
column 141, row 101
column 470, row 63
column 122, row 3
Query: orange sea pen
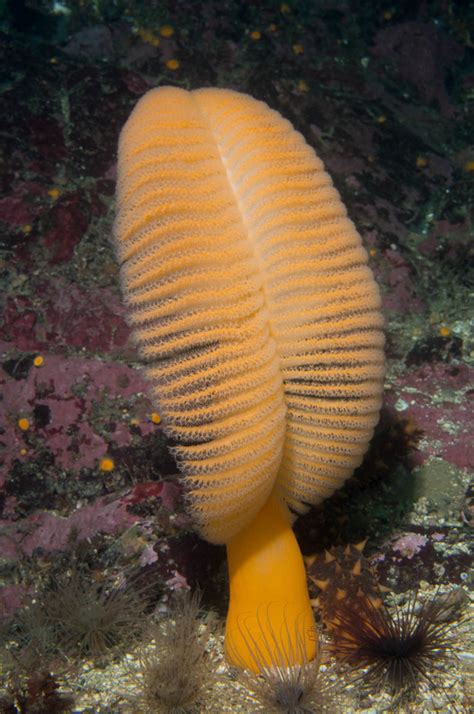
column 252, row 304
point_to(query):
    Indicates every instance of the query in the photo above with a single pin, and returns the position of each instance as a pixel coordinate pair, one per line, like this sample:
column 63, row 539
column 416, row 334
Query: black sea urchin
column 400, row 650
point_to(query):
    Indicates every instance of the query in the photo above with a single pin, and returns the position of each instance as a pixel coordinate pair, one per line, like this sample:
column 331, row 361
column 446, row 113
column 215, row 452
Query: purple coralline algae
column 409, row 545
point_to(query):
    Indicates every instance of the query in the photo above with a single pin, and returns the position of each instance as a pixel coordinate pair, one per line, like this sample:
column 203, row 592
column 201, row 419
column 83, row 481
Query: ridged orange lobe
column 251, row 301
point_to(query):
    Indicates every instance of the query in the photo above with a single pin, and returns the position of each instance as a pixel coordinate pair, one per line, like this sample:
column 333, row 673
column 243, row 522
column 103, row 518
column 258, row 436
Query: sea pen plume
column 258, row 318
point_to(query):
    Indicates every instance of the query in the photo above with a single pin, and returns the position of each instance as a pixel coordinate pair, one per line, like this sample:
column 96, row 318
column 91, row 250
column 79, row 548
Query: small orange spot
column 421, row 162
column 23, row 452
column 381, row 119
column 373, row 252
column 155, row 418
column 38, row 361
column 26, row 228
column 172, row 64
column 255, row 35
column 302, row 86
column 469, row 165
column 298, row 49
column 106, row 464
column 272, row 27
column 54, row 193
column 23, row 424
column 149, row 37
column 444, row 331
column 166, row 31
